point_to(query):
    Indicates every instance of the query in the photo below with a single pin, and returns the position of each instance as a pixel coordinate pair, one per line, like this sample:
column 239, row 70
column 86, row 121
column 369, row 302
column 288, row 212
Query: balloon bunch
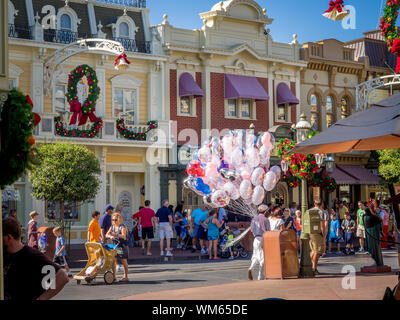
column 234, row 167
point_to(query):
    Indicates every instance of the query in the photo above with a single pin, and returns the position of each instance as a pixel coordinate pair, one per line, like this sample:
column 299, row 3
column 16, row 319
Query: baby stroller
column 100, row 261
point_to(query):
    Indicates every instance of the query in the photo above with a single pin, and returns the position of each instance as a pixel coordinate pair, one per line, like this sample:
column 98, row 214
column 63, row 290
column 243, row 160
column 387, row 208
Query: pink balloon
column 252, row 157
column 204, row 154
column 269, row 181
column 231, row 190
column 264, row 155
column 245, row 172
column 246, row 190
column 211, row 170
column 258, row 195
column 257, row 176
column 220, row 198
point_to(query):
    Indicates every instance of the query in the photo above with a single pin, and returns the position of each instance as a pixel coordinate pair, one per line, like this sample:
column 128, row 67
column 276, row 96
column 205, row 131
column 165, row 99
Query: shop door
column 127, row 195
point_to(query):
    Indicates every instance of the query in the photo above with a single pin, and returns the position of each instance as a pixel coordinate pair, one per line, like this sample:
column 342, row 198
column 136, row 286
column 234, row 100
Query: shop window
column 12, row 84
column 125, row 105
column 314, row 112
column 329, row 111
column 186, row 106
column 344, row 108
column 52, row 211
column 240, row 108
column 283, row 113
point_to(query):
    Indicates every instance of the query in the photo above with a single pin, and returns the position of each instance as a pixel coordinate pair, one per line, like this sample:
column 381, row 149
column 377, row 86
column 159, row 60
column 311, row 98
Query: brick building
column 229, row 74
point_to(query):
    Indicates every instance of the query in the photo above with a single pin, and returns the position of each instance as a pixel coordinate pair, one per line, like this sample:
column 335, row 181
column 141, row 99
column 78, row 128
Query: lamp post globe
column 303, row 128
column 330, row 163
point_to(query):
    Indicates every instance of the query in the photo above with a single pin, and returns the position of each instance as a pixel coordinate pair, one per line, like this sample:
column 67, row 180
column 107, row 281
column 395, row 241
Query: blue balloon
column 201, row 186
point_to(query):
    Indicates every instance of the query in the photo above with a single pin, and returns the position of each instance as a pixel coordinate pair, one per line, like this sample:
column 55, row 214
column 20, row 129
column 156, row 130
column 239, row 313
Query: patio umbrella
column 376, row 128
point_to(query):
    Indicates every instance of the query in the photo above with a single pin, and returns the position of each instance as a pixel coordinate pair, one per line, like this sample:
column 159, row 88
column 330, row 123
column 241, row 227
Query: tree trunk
column 395, row 206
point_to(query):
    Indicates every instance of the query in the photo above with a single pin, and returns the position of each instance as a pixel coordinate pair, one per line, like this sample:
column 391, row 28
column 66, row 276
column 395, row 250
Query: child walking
column 213, row 232
column 60, row 251
column 334, row 233
column 349, row 226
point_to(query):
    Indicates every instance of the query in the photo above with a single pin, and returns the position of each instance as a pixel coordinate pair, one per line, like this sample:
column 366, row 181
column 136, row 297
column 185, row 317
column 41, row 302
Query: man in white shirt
column 258, row 226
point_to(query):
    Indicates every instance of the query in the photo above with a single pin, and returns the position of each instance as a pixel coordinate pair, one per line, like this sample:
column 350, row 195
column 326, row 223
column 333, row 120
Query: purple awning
column 285, row 95
column 244, row 87
column 189, row 87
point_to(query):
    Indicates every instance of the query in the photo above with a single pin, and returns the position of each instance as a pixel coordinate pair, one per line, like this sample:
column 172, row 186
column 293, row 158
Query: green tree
column 65, row 172
column 389, row 169
column 389, row 165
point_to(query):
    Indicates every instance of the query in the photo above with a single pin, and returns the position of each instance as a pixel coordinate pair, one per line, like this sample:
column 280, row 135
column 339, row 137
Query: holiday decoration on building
column 336, row 11
column 303, row 167
column 83, row 107
column 389, row 29
column 131, row 135
column 77, row 133
column 122, row 62
column 17, row 152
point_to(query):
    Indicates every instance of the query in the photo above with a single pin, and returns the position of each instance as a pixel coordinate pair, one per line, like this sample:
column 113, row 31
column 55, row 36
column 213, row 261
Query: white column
column 101, row 102
column 165, row 80
column 37, row 86
column 298, row 95
column 206, row 105
column 29, row 12
column 271, row 99
column 155, row 99
column 146, row 26
column 92, row 19
column 100, row 201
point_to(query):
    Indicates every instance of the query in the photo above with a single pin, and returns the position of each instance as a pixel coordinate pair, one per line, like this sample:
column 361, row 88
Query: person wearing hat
column 258, row 226
column 33, row 230
column 105, row 221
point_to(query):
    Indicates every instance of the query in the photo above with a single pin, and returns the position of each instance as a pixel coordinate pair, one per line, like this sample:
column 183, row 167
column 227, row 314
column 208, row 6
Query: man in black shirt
column 28, row 274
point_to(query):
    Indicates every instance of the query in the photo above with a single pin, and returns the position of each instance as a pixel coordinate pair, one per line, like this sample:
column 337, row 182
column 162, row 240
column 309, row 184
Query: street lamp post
column 303, row 128
column 330, row 166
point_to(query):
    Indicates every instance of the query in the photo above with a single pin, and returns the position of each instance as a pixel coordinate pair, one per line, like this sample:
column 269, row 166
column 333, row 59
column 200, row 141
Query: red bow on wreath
column 75, row 107
column 338, row 5
column 84, row 117
column 121, row 56
column 37, row 117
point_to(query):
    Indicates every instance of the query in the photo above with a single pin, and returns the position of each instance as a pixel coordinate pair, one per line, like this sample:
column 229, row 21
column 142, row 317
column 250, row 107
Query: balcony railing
column 19, row 32
column 126, row 3
column 134, row 45
column 108, row 133
column 62, row 36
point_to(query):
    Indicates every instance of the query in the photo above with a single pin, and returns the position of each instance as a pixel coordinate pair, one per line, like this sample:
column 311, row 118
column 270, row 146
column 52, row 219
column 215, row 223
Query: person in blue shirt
column 334, row 233
column 60, row 254
column 195, row 220
column 105, row 221
column 203, row 231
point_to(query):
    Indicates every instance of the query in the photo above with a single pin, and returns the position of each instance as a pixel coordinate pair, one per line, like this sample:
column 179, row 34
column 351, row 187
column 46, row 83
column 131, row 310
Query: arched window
column 329, row 111
column 124, row 30
column 314, row 112
column 345, row 107
column 66, row 22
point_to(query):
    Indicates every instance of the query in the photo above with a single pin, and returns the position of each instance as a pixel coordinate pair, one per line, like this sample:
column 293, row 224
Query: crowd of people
column 199, row 230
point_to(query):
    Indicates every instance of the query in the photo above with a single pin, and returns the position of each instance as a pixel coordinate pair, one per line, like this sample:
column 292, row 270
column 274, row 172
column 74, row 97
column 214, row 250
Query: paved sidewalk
column 326, row 287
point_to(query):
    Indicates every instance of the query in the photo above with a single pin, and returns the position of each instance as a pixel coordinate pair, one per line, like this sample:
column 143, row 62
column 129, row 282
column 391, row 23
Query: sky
column 303, row 18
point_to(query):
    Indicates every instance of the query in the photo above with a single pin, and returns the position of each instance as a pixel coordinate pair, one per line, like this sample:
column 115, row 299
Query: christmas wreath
column 77, row 133
column 17, row 123
column 389, row 29
column 130, row 135
column 85, row 110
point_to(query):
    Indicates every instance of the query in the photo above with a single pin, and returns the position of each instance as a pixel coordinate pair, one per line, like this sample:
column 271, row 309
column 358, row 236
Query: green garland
column 84, row 70
column 77, row 133
column 17, row 123
column 139, row 136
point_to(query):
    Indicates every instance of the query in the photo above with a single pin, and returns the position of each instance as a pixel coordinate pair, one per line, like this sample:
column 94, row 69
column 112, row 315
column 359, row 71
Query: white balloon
column 257, row 177
column 250, row 139
column 204, row 154
column 220, row 198
column 237, row 157
column 269, row 181
column 277, row 170
column 227, row 145
column 246, row 190
column 258, row 195
column 264, row 154
column 231, row 190
column 252, row 157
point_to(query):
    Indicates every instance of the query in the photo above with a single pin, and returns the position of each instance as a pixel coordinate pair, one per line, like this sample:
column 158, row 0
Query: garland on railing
column 77, row 133
column 130, row 135
column 303, row 167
